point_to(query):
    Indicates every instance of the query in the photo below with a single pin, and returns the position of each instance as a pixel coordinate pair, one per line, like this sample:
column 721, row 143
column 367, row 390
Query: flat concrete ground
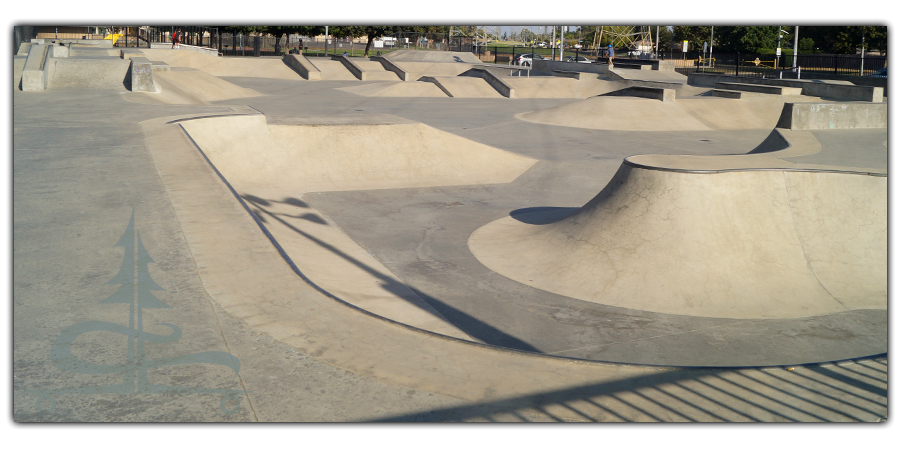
column 81, row 163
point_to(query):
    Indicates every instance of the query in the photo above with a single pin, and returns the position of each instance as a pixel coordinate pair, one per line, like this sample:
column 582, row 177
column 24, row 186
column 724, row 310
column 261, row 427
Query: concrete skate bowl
column 625, row 113
column 746, row 239
column 271, row 163
column 347, row 153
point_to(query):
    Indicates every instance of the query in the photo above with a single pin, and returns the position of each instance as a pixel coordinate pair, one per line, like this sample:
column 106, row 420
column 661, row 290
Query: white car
column 526, row 58
column 579, row 59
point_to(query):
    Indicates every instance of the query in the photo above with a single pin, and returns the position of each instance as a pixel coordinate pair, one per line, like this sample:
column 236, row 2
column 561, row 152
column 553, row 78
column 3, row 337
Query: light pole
column 778, row 51
column 862, row 53
column 796, row 36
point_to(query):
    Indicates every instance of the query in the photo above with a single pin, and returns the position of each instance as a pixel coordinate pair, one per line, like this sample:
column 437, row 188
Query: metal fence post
column 737, row 65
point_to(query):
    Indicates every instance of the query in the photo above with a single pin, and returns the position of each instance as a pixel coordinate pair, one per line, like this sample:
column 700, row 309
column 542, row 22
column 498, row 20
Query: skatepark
column 423, row 237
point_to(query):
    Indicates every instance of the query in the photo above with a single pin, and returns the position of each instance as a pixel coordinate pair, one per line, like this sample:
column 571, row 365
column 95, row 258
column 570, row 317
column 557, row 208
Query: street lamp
column 778, row 51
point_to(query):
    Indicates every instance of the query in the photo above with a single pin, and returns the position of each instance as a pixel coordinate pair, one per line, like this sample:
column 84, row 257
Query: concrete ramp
column 331, row 157
column 224, row 66
column 464, row 86
column 334, row 70
column 623, row 113
column 736, row 243
column 271, row 165
column 557, row 87
column 191, row 87
column 415, row 55
column 69, row 73
column 82, row 51
column 375, row 71
column 397, row 89
column 419, row 69
column 648, row 75
column 618, row 114
column 734, row 114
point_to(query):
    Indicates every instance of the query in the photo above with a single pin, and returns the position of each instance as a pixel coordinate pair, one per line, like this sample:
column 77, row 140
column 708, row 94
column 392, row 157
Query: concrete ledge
column 870, row 81
column 647, row 92
column 677, row 87
column 436, row 83
column 654, row 64
column 575, row 75
column 99, row 43
column 761, row 88
column 623, row 65
column 501, row 86
column 300, row 64
column 810, row 88
column 195, row 49
column 129, row 53
column 34, row 76
column 732, row 94
column 547, row 67
column 356, row 70
column 807, row 116
column 391, row 66
column 23, row 49
column 60, row 50
column 141, row 75
column 159, row 66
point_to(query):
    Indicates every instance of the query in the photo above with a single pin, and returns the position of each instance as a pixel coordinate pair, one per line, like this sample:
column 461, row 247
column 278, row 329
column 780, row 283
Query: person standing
column 176, row 38
column 610, row 55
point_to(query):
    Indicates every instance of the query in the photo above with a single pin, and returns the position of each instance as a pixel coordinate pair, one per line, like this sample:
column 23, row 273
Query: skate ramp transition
column 397, row 89
column 224, row 67
column 734, row 236
column 625, row 113
column 355, row 153
column 537, row 87
column 271, row 163
column 186, row 86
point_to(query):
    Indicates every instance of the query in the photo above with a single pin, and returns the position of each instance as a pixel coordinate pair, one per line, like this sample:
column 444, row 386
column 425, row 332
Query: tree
column 695, row 35
column 745, row 39
column 370, row 32
column 845, row 39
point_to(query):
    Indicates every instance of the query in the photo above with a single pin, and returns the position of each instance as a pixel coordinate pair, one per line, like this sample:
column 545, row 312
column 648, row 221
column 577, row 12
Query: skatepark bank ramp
column 739, row 242
column 354, row 153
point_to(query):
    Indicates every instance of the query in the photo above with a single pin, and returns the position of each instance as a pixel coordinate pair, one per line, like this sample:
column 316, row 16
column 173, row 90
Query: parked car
column 526, row 58
column 880, row 74
column 542, row 44
column 579, row 59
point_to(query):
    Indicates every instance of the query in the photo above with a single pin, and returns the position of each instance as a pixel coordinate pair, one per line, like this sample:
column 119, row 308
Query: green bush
column 771, row 51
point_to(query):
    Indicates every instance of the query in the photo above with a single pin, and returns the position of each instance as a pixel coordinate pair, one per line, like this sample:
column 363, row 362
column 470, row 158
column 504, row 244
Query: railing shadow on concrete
column 852, row 391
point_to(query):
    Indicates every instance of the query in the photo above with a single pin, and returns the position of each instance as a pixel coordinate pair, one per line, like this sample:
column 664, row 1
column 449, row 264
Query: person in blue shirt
column 610, row 55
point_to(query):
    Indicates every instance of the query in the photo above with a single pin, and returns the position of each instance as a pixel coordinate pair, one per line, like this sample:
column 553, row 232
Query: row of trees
column 764, row 39
column 369, row 32
column 761, row 39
